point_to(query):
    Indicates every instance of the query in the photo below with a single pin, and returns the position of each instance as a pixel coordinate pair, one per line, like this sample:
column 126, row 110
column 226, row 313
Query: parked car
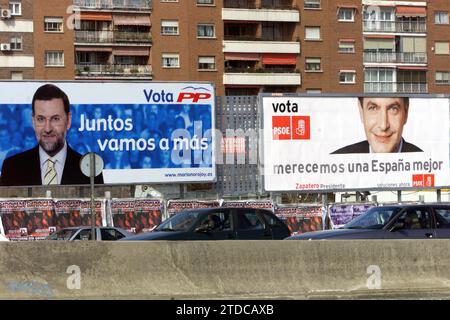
column 85, row 232
column 392, row 222
column 218, row 224
column 3, row 237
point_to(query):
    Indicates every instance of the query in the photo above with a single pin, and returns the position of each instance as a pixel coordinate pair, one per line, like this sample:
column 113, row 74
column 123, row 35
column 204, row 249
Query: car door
column 273, row 225
column 250, row 226
column 223, row 230
column 442, row 222
column 411, row 223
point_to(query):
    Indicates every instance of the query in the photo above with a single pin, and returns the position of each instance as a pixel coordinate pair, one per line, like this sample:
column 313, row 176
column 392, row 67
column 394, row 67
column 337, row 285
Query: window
column 16, row 43
column 415, row 219
column 271, row 220
column 85, row 234
column 347, row 76
column 170, row 60
column 169, row 27
column 53, row 24
column 210, row 2
column 249, row 221
column 169, row 0
column 16, row 8
column 312, row 4
column 346, row 14
column 110, row 234
column 379, row 18
column 442, row 218
column 441, row 48
column 442, row 77
column 312, row 33
column 313, row 64
column 313, row 91
column 441, row 17
column 206, row 31
column 16, row 75
column 346, row 46
column 215, row 222
column 206, row 63
column 54, row 58
column 378, row 80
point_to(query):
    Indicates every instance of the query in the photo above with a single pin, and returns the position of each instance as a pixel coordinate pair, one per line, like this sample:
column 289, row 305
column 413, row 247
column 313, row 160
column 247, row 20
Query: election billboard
column 145, row 132
column 330, row 143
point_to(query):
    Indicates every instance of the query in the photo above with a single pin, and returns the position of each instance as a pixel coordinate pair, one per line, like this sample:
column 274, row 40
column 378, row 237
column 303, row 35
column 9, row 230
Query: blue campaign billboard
column 144, row 132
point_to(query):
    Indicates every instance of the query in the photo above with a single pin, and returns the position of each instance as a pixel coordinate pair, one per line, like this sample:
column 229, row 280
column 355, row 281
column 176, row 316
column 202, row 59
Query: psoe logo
column 291, row 128
column 423, row 180
column 187, row 94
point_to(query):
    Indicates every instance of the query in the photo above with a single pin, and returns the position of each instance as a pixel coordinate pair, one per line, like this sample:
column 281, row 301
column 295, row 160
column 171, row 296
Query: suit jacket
column 24, row 169
column 363, row 147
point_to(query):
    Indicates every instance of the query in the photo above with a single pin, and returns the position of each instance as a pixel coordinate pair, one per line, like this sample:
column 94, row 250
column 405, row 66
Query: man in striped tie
column 52, row 161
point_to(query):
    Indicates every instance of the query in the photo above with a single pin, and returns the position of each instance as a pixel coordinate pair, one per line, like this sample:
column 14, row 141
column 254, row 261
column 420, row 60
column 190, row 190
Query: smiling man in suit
column 52, row 161
column 383, row 120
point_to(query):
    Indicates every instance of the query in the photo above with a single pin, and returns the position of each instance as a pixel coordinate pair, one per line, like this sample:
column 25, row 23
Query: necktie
column 50, row 176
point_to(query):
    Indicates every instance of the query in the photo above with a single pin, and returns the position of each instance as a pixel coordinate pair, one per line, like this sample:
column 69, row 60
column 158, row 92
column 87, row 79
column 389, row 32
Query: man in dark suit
column 52, row 161
column 383, row 120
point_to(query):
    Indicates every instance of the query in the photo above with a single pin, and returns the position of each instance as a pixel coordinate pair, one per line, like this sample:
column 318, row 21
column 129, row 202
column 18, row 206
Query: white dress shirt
column 59, row 159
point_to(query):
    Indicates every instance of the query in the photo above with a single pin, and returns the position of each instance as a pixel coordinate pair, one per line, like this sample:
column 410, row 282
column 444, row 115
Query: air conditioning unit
column 5, row 46
column 5, row 14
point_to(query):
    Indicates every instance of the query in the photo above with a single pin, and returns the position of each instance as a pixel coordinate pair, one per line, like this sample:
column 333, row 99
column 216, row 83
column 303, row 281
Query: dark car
column 85, row 232
column 392, row 222
column 218, row 224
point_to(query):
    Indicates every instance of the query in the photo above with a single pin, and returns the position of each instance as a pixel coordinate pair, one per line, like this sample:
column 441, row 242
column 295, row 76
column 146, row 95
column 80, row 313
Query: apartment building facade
column 16, row 40
column 112, row 40
column 243, row 46
column 53, row 46
column 345, row 46
column 187, row 41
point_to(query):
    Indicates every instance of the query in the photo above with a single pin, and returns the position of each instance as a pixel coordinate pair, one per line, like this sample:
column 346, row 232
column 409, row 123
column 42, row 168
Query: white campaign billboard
column 347, row 143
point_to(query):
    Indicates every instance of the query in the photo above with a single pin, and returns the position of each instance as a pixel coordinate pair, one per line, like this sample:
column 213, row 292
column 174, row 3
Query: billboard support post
column 92, row 176
column 91, row 165
column 438, row 195
column 399, row 195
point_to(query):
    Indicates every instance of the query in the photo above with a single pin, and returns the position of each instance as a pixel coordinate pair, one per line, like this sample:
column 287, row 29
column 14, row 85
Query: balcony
column 260, row 70
column 394, row 26
column 412, row 87
column 251, row 4
column 261, row 46
column 243, row 4
column 243, row 76
column 139, row 5
column 113, row 70
column 392, row 87
column 396, row 57
column 269, row 15
column 92, row 37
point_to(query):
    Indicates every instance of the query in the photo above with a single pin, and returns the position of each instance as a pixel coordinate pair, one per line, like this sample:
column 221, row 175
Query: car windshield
column 64, row 234
column 181, row 221
column 374, row 218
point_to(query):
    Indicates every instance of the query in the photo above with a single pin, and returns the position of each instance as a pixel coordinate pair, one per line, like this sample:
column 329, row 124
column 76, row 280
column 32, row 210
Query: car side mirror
column 397, row 226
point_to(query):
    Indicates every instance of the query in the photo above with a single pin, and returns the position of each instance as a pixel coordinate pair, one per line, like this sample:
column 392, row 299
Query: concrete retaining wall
column 233, row 269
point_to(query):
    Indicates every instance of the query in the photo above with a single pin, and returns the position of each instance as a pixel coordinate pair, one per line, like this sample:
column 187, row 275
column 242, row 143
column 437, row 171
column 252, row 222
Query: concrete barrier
column 222, row 269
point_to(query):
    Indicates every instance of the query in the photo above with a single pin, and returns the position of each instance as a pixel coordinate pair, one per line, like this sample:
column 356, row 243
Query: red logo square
column 428, row 180
column 417, row 180
column 301, row 128
column 281, row 127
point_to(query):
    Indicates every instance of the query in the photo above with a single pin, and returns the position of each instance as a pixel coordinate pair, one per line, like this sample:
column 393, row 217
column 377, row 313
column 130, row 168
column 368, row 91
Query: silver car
column 424, row 221
column 84, row 233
